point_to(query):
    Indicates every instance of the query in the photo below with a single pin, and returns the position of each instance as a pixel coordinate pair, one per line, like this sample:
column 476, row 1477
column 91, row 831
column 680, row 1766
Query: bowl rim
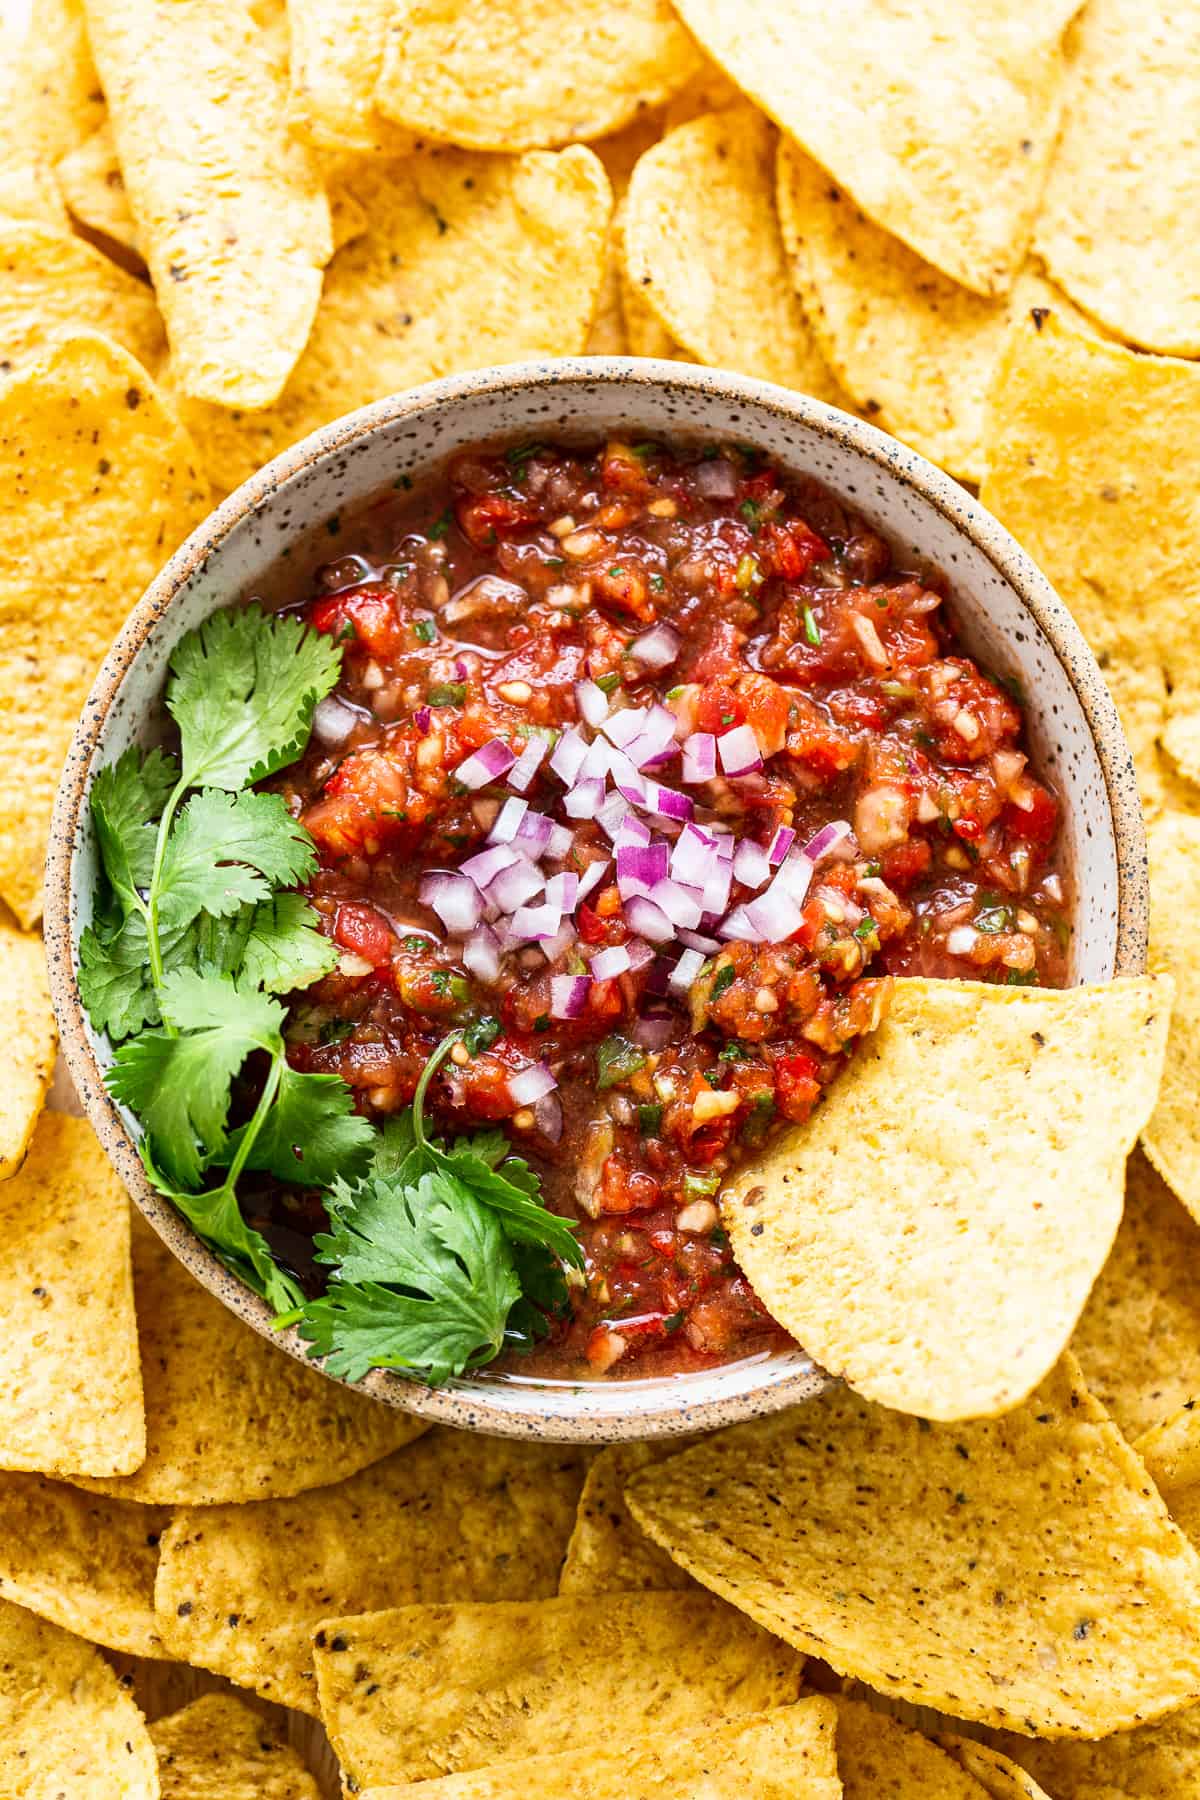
column 657, row 1406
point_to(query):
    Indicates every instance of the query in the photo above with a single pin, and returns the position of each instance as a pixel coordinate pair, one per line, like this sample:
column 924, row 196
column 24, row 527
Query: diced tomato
column 623, row 1189
column 904, row 862
column 591, row 926
column 791, row 550
column 484, row 518
column 365, row 932
column 721, row 655
column 364, row 617
column 623, row 471
column 797, row 1089
column 718, row 708
column 1037, row 824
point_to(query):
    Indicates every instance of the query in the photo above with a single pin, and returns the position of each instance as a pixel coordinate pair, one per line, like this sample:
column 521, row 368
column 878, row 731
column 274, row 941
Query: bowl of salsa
column 668, row 718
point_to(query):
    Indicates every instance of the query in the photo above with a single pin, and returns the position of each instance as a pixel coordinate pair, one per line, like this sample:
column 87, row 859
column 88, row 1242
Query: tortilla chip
column 94, row 189
column 961, row 1567
column 1171, row 1452
column 92, row 463
column 1138, row 1341
column 32, row 1043
column 915, row 350
column 28, row 189
column 619, row 154
column 647, row 334
column 703, row 251
column 1092, row 451
column 529, row 74
column 940, row 121
column 336, row 59
column 902, row 1256
column 998, row 1775
column 67, row 1726
column 420, row 1691
column 228, row 1415
column 50, row 101
column 525, row 234
column 456, row 1517
column 785, row 1754
column 877, row 1755
column 1172, row 1138
column 218, row 1748
column 81, row 1560
column 1159, row 1762
column 51, row 282
column 1114, row 226
column 608, row 1553
column 70, row 1385
column 231, row 212
column 709, row 90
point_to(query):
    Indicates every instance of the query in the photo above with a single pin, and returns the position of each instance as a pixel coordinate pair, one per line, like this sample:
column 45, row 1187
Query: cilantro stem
column 265, row 1102
column 154, row 946
column 427, row 1074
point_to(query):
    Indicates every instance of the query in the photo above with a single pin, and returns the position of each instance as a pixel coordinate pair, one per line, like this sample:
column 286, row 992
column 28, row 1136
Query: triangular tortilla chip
column 1018, row 1571
column 52, row 282
column 1171, row 1452
column 454, row 1517
column 878, row 1755
column 70, row 1384
column 83, row 1561
column 608, row 1552
column 1092, row 449
column 703, row 252
column 32, row 1042
column 228, row 1415
column 1115, row 226
column 526, row 234
column 531, row 73
column 230, row 208
column 67, row 1726
column 94, row 189
column 1172, row 1138
column 51, row 101
column 896, row 1249
column 1138, row 1341
column 939, row 120
column 91, row 461
column 336, row 58
column 218, row 1748
column 785, row 1754
column 428, row 1690
column 1159, row 1762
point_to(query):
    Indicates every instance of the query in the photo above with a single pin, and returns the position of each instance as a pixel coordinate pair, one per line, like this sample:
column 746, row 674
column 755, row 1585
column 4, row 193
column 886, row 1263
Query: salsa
column 647, row 768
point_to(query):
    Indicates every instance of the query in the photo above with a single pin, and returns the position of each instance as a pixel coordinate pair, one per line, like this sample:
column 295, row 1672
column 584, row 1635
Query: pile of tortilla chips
column 970, row 1572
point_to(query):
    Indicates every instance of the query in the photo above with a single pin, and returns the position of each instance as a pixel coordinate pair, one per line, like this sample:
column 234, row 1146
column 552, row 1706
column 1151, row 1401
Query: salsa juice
column 649, row 768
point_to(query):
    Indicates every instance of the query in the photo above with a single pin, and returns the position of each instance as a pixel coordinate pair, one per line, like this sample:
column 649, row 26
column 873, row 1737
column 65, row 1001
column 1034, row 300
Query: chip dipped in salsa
column 645, row 770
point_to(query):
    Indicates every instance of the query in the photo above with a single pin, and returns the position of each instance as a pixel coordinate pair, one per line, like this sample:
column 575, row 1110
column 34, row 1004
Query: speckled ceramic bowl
column 1007, row 611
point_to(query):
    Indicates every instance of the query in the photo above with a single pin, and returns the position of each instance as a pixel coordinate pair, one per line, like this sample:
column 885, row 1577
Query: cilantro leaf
column 283, row 949
column 424, row 1280
column 311, row 1134
column 217, row 1218
column 179, row 1085
column 513, row 1192
column 229, row 850
column 243, row 690
column 114, row 973
column 126, row 800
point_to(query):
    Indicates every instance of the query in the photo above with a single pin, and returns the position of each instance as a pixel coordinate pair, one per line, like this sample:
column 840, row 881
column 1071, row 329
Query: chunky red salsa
column 650, row 768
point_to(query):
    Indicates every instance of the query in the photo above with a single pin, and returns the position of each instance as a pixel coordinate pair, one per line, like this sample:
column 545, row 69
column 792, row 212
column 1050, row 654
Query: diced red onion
column 562, row 890
column 559, row 843
column 648, row 920
column 635, row 792
column 530, row 923
column 632, row 830
column 793, row 877
column 774, row 915
column 562, row 941
column 533, row 834
column 656, row 648
column 592, row 702
column 592, row 876
column 454, row 898
column 751, row 865
column 485, row 765
column 962, row 940
column 699, row 757
column 528, row 1087
column 516, row 886
column 508, row 821
column 716, row 479
column 658, row 974
column 421, row 719
column 654, row 1030
column 667, row 802
column 548, row 1117
column 780, row 844
column 642, row 862
column 620, row 728
column 639, row 954
column 739, row 925
column 333, row 721
column 622, row 768
column 716, row 888
column 568, row 755
column 485, row 865
column 528, row 764
column 481, row 954
column 612, row 815
column 694, row 856
column 584, row 800
column 695, row 940
column 684, row 906
column 686, row 970
column 823, row 842
column 610, row 962
column 568, row 995
column 738, row 751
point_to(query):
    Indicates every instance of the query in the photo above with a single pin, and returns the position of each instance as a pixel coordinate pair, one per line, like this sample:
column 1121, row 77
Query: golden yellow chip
column 83, row 1561
column 50, row 100
column 219, row 1748
column 92, row 462
column 51, row 282
column 785, row 1754
column 230, row 209
column 529, row 74
column 916, row 351
column 902, row 1254
column 1092, row 449
column 1138, row 1341
column 609, row 1553
column 878, row 1755
column 94, row 189
column 1114, row 226
column 1159, row 1762
column 454, row 1517
column 1171, row 1452
column 228, row 1415
column 32, row 1042
column 619, row 154
column 703, row 251
column 526, row 235
column 67, row 1726
column 420, row 1691
column 1018, row 1571
column 336, row 59
column 939, row 120
column 709, row 90
column 1172, row 1137
column 70, row 1383
column 998, row 1775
